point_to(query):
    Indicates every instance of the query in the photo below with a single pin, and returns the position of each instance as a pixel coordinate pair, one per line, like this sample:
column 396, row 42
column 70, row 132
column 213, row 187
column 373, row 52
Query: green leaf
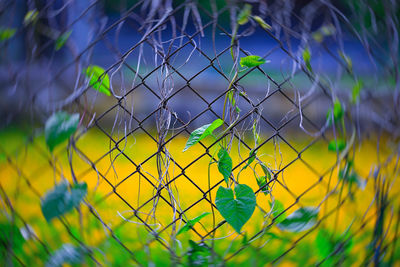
column 191, row 223
column 231, row 98
column 224, row 164
column 307, row 58
column 198, row 255
column 255, row 133
column 338, row 144
column 236, row 211
column 60, row 41
column 337, row 110
column 266, row 171
column 3, row 157
column 355, row 92
column 6, row 33
column 78, row 193
column 10, row 238
column 262, row 23
column 278, row 210
column 300, row 220
column 59, row 127
column 262, row 183
column 244, row 15
column 251, row 61
column 59, row 200
column 326, row 243
column 323, row 244
column 66, row 254
column 350, row 176
column 202, row 132
column 252, row 157
column 30, row 17
column 99, row 79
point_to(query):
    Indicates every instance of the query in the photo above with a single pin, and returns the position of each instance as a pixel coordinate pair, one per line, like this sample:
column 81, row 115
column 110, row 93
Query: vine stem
column 226, row 100
column 209, row 194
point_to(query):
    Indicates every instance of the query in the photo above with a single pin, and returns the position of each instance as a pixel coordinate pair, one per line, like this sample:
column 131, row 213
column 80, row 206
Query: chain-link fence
column 205, row 133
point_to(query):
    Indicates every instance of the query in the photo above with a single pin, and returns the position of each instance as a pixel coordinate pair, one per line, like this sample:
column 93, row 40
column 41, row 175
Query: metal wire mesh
column 167, row 62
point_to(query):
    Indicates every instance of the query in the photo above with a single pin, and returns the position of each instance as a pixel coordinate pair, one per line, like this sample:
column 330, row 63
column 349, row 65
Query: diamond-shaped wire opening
column 277, row 108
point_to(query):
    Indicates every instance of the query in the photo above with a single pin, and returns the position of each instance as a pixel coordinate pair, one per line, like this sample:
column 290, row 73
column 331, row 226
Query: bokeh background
column 171, row 65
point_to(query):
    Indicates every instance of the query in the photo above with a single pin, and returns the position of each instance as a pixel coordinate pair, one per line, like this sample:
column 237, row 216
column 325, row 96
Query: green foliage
column 224, row 164
column 262, row 23
column 252, row 157
column 277, row 210
column 99, row 79
column 350, row 176
column 337, row 112
column 66, row 254
column 300, row 220
column 324, row 31
column 30, row 17
column 60, row 200
column 262, row 183
column 59, row 127
column 191, row 223
column 355, row 91
column 201, row 133
column 330, row 247
column 11, row 238
column 266, row 171
column 6, row 33
column 307, row 58
column 236, row 211
column 251, row 61
column 198, row 255
column 323, row 244
column 337, row 145
column 60, row 41
column 244, row 15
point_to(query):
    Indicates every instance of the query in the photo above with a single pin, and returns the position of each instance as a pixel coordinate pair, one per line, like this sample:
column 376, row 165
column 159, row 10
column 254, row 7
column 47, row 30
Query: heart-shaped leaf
column 300, row 220
column 59, row 127
column 202, row 132
column 99, row 79
column 59, row 200
column 236, row 211
column 191, row 223
column 251, row 61
column 224, row 164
